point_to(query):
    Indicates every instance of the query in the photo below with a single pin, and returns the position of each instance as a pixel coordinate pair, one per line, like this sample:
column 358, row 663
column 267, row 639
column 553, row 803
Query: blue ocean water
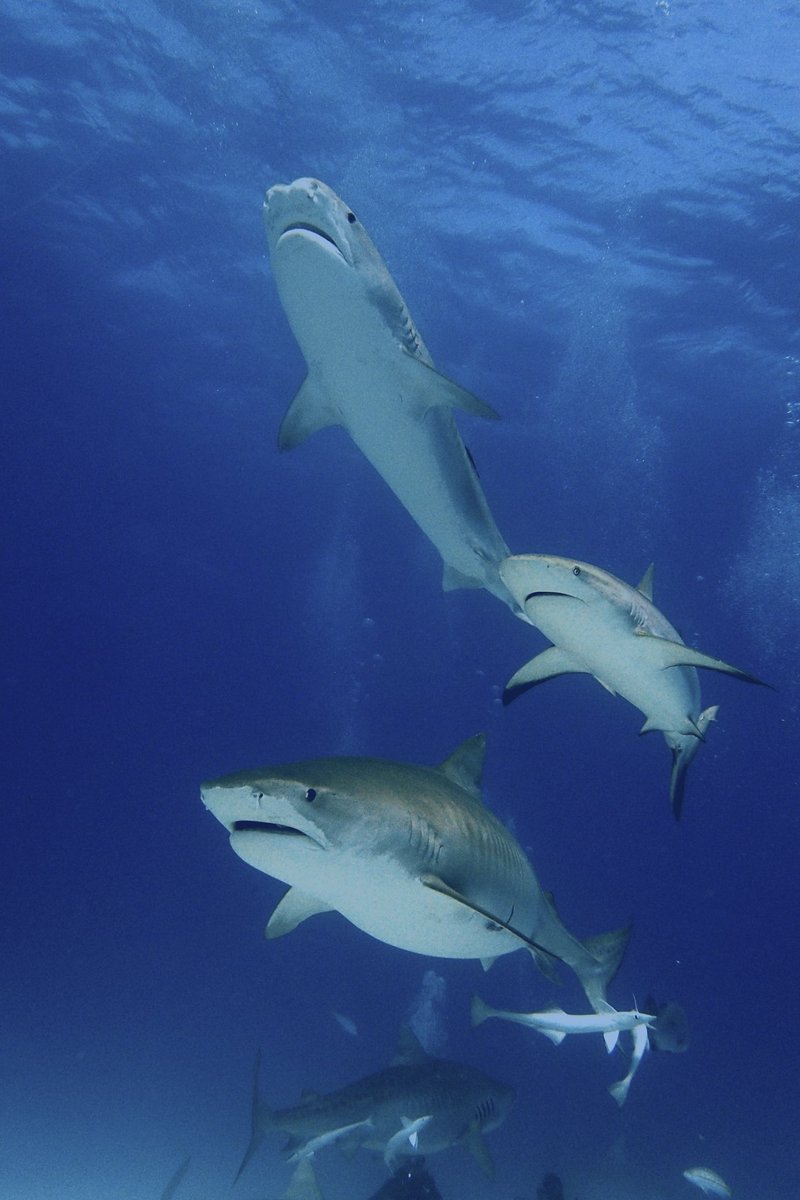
column 591, row 210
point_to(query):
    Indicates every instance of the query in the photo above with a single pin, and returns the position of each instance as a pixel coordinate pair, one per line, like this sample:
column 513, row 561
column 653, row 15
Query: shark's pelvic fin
column 548, row 665
column 309, row 411
column 645, row 584
column 608, row 950
column 292, row 909
column 465, row 765
column 434, row 390
column 666, row 653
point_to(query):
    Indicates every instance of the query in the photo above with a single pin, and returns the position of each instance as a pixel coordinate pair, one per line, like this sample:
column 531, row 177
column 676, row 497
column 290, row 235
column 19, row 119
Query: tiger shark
column 459, row 1102
column 606, row 628
column 408, row 854
column 370, row 371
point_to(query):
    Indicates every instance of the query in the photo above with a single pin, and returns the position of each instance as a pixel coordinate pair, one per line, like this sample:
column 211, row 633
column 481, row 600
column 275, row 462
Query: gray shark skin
column 462, row 1103
column 369, row 371
column 408, row 854
column 606, row 628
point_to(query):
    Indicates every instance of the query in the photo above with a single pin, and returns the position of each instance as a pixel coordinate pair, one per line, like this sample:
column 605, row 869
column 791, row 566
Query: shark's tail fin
column 607, row 951
column 684, row 747
column 261, row 1121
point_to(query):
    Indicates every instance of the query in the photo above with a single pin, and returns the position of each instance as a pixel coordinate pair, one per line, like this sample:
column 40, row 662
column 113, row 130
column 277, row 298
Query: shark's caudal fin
column 607, row 951
column 684, row 749
column 261, row 1121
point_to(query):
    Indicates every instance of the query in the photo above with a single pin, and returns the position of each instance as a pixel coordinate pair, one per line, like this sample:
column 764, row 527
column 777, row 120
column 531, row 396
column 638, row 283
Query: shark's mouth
column 315, row 231
column 274, row 829
column 266, row 827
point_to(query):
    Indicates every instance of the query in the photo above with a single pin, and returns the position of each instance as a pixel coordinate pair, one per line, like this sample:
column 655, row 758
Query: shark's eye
column 351, row 218
column 576, row 570
column 311, row 795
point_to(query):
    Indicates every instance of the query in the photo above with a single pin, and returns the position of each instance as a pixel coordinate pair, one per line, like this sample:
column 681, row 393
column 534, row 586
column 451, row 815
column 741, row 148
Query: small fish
column 407, row 1134
column 555, row 1024
column 619, row 1090
column 309, row 1148
column 347, row 1023
column 708, row 1181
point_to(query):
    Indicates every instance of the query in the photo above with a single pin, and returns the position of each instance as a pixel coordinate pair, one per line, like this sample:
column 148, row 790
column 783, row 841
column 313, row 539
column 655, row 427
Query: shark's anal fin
column 295, row 907
column 548, row 665
column 303, row 1184
column 309, row 411
column 438, row 885
column 434, row 390
column 666, row 653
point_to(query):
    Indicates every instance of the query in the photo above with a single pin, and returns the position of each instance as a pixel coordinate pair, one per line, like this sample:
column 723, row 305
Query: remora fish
column 603, row 627
column 369, row 370
column 409, row 854
column 555, row 1024
column 407, row 1135
column 708, row 1181
column 619, row 1090
column 461, row 1102
column 344, row 1133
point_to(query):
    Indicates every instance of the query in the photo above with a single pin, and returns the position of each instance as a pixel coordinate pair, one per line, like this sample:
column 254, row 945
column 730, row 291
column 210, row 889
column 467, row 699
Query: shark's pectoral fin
column 438, row 885
column 434, row 390
column 303, row 1184
column 479, row 1150
column 548, row 665
column 666, row 653
column 309, row 411
column 453, row 580
column 611, row 1037
column 295, row 907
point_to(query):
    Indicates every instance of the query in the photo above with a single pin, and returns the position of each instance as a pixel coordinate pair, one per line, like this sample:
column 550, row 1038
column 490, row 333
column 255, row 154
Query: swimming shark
column 606, row 628
column 556, row 1024
column 370, row 371
column 408, row 854
column 460, row 1104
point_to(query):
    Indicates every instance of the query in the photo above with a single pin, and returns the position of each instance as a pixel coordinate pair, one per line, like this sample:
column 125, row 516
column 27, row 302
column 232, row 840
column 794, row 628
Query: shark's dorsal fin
column 434, row 390
column 309, row 411
column 465, row 765
column 645, row 584
column 296, row 906
column 479, row 1150
column 410, row 1051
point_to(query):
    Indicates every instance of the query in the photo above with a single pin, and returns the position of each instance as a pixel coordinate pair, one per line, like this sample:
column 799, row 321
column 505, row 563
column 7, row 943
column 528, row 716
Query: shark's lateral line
column 603, row 627
column 369, row 371
column 460, row 1104
column 409, row 854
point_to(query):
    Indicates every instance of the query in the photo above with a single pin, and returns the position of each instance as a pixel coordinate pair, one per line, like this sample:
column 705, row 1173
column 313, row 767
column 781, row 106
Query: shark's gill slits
column 484, row 1110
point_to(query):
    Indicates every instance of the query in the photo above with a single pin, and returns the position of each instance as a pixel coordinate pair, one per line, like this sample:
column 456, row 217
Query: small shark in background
column 603, row 627
column 369, row 371
column 460, row 1103
column 556, row 1024
column 408, row 854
